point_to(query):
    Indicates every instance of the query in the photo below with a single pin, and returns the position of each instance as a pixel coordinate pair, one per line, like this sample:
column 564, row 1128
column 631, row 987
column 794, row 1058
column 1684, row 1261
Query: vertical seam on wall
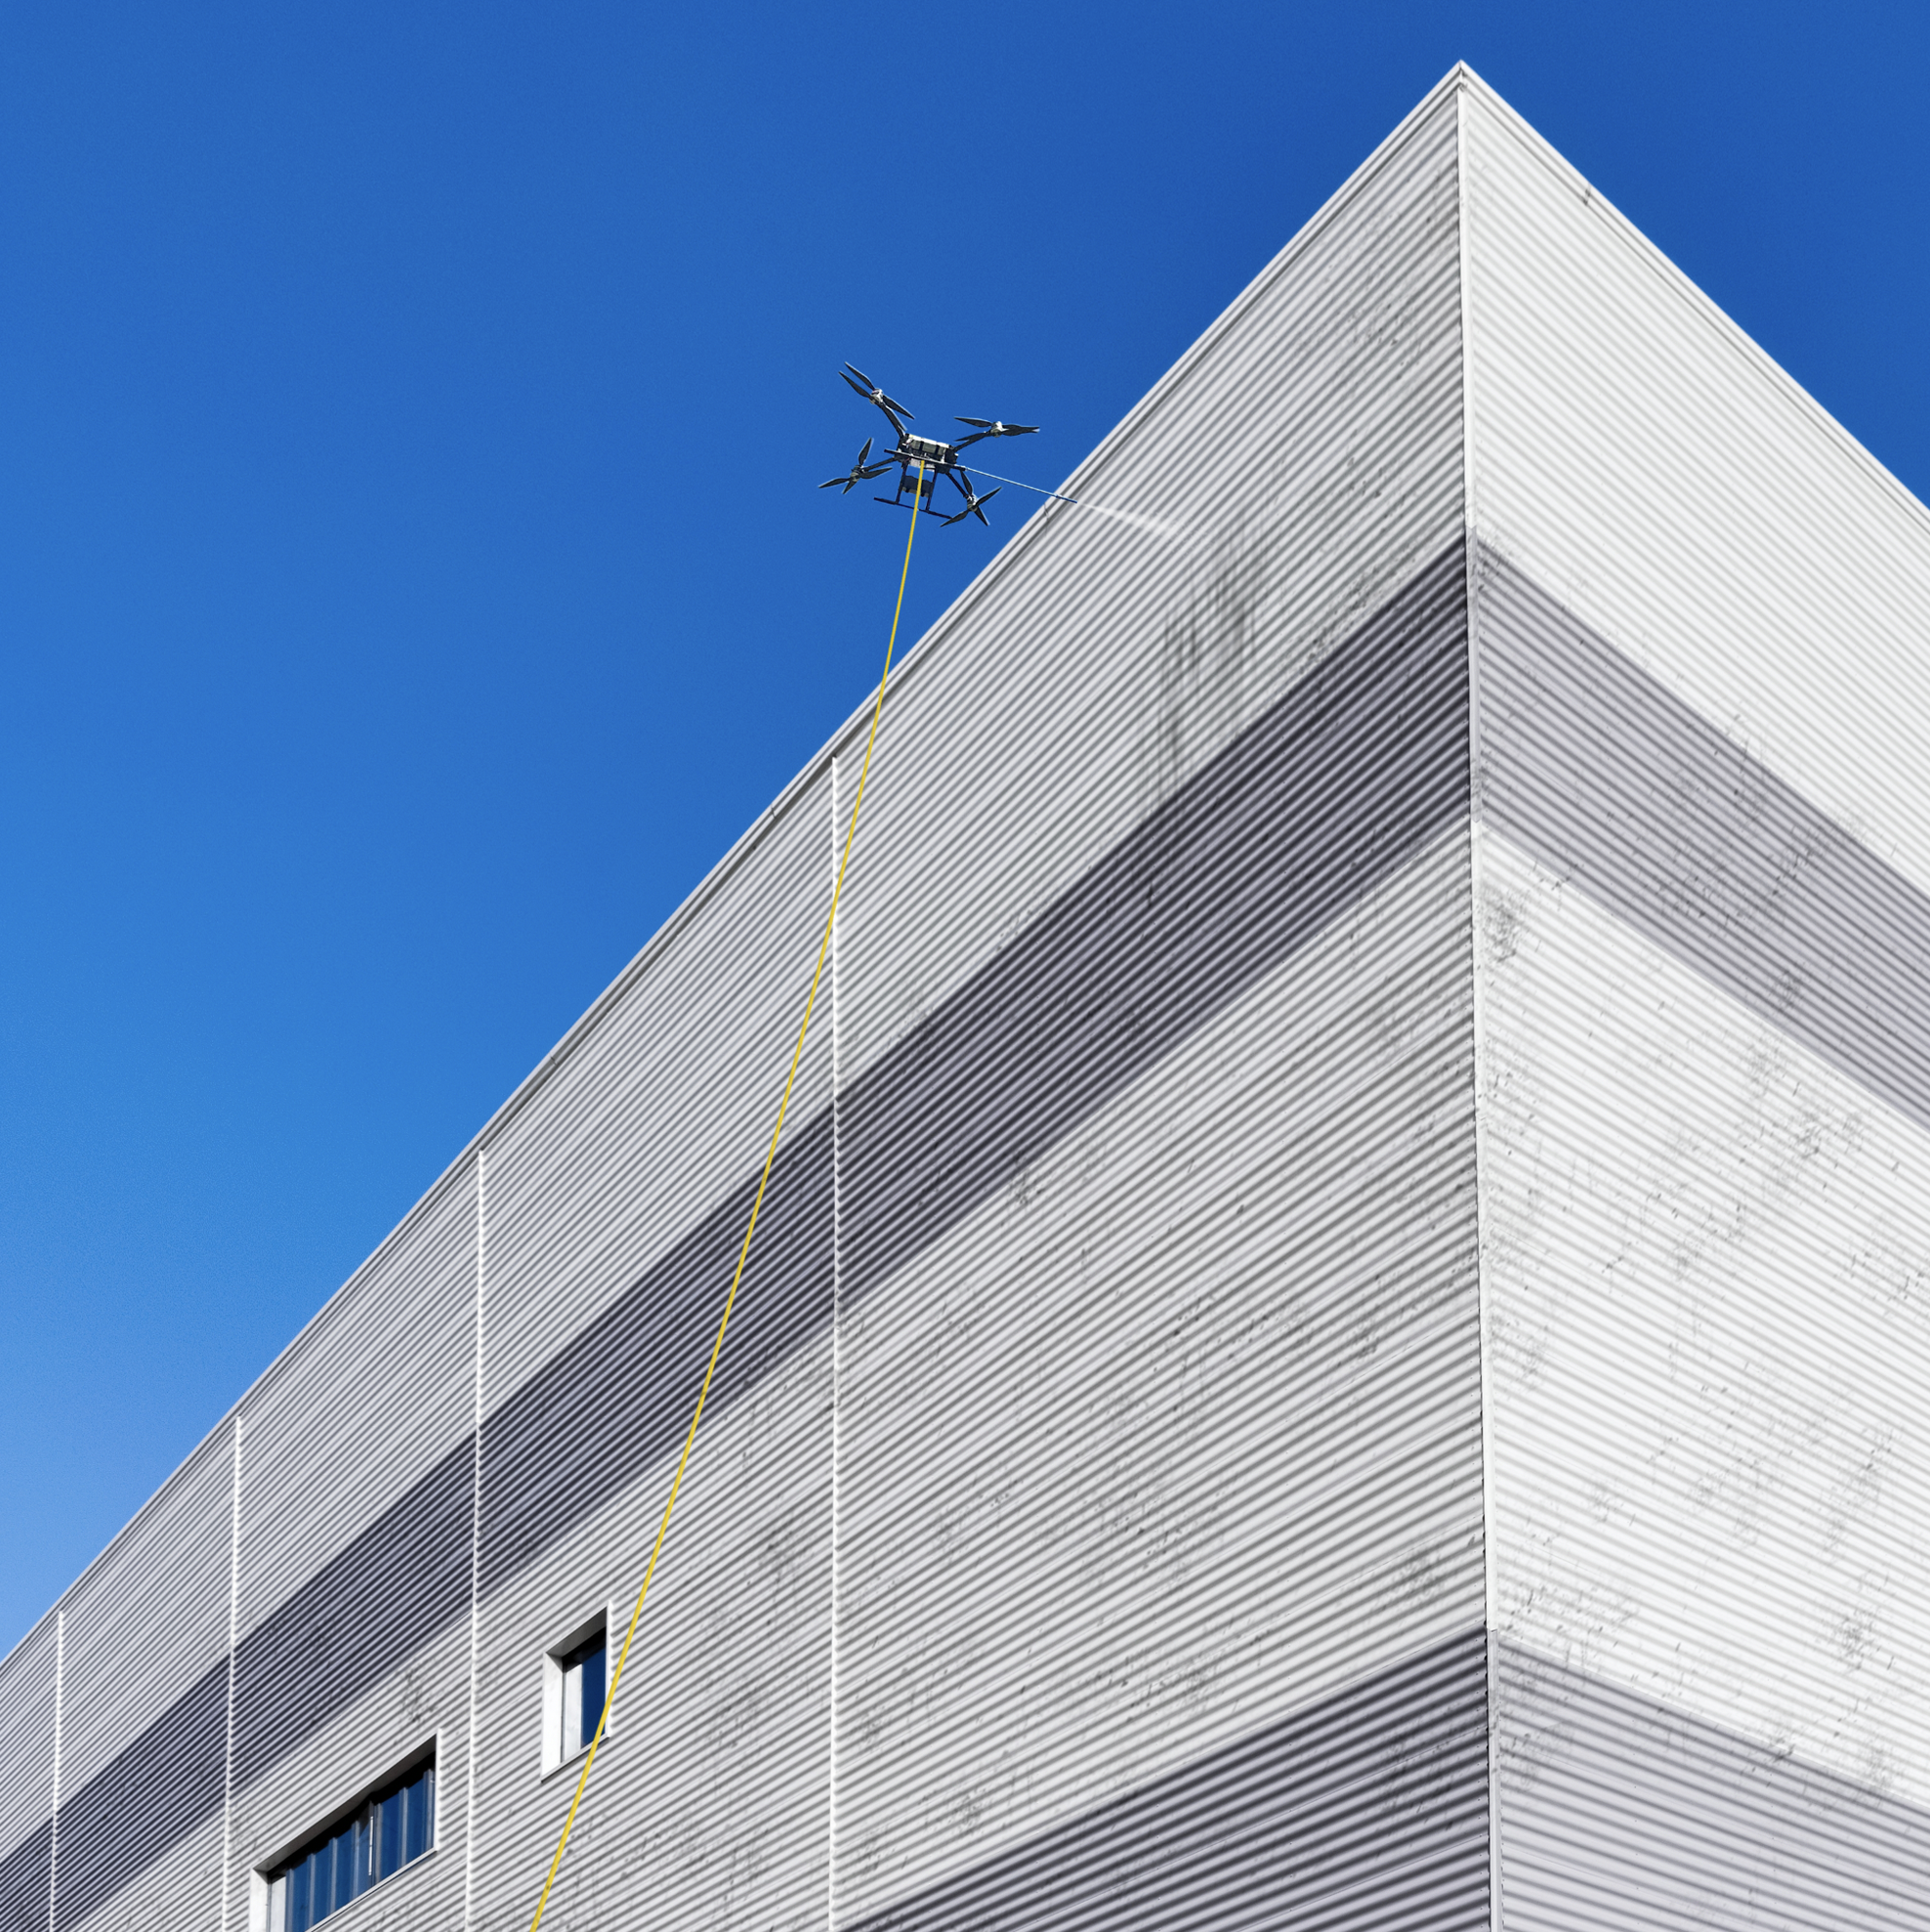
column 837, row 1395
column 53, row 1828
column 1461, row 197
column 234, row 1634
column 474, row 1563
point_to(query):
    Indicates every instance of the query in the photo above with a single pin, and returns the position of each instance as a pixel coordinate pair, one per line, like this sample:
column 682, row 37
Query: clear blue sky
column 410, row 579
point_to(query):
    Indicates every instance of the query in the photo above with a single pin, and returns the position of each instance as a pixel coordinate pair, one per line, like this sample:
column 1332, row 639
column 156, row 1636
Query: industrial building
column 1342, row 1331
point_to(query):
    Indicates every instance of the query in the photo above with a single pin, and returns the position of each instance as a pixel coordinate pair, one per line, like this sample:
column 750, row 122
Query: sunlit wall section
column 1703, row 881
column 1158, row 1539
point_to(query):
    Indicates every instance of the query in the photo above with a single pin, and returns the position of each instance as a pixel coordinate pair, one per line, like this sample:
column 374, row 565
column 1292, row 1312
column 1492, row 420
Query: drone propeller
column 871, row 393
column 858, row 472
column 972, row 502
column 991, row 428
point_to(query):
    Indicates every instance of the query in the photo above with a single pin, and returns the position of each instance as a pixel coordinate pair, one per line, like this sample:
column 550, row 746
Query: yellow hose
column 744, row 1253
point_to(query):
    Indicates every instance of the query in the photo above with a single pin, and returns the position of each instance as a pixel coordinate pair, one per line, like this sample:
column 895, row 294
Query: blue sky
column 410, row 579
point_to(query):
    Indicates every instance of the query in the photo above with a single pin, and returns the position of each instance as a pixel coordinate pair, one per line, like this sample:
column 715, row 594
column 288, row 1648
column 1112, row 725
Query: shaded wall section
column 1368, row 1809
column 1615, row 1809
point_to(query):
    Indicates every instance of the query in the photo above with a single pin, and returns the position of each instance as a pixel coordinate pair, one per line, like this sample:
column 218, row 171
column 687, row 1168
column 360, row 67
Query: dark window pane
column 322, row 1883
column 365, row 1850
column 343, row 1844
column 593, row 1665
column 297, row 1881
column 421, row 1809
column 389, row 1833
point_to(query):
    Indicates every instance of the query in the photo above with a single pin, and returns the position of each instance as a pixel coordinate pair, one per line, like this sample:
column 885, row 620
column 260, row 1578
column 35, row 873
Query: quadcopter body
column 921, row 460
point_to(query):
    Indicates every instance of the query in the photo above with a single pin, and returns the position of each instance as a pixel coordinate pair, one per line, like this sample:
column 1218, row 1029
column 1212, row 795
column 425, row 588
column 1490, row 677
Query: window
column 574, row 1677
column 386, row 1832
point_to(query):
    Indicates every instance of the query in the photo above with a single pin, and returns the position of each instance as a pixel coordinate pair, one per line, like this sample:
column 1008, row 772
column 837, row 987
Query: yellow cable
column 744, row 1253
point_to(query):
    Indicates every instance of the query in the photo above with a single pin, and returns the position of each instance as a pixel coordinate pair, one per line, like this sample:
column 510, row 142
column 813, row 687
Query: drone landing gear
column 919, row 493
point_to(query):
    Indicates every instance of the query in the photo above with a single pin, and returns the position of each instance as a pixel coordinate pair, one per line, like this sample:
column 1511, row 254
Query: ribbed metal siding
column 423, row 1697
column 26, row 1776
column 1704, row 1253
column 1640, row 458
column 1617, row 1810
column 1179, row 1430
column 1368, row 1809
column 1306, row 453
column 378, row 1390
column 1120, row 1477
column 1603, row 775
column 357, row 1505
column 616, row 1202
column 1702, row 943
column 709, row 1796
column 143, row 1731
column 665, row 1106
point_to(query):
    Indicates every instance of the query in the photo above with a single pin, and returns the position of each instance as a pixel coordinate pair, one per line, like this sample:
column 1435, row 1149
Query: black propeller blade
column 972, row 503
column 858, row 472
column 993, row 428
column 871, row 393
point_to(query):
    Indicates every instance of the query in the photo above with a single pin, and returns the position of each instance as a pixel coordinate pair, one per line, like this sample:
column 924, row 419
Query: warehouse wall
column 356, row 1504
column 27, row 1685
column 1158, row 1424
column 1191, row 803
column 1703, row 933
column 1277, row 1304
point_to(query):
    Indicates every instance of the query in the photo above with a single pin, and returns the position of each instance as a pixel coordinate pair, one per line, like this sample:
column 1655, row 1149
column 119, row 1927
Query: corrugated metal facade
column 1339, row 1313
column 1700, row 616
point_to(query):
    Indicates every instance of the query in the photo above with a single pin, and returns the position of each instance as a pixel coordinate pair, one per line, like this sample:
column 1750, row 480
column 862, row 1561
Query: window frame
column 556, row 1656
column 266, row 1873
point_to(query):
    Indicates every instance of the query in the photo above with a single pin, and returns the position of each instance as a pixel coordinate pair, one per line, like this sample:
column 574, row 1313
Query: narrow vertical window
column 575, row 1683
column 582, row 1693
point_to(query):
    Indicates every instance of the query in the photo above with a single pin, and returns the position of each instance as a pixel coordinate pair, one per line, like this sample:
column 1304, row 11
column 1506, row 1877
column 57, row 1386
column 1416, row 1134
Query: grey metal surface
column 1639, row 457
column 1325, row 795
column 1701, row 614
column 1604, row 775
column 1368, row 1809
column 25, row 1876
column 1621, row 1810
column 1101, row 1485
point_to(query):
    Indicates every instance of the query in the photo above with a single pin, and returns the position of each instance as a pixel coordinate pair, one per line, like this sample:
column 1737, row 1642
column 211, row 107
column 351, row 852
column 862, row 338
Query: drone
column 921, row 459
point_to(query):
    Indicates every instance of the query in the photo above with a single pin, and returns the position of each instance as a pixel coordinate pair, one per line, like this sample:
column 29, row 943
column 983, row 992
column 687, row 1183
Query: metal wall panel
column 1180, row 1429
column 145, row 1709
column 333, row 1763
column 356, row 1531
column 1618, row 1810
column 1703, row 890
column 180, row 1885
column 1368, row 1809
column 617, row 1199
column 1704, row 1253
column 377, row 1390
column 1600, row 772
column 708, row 1803
column 1306, row 458
column 1094, row 1227
column 1636, row 454
column 26, row 1776
column 662, row 1112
